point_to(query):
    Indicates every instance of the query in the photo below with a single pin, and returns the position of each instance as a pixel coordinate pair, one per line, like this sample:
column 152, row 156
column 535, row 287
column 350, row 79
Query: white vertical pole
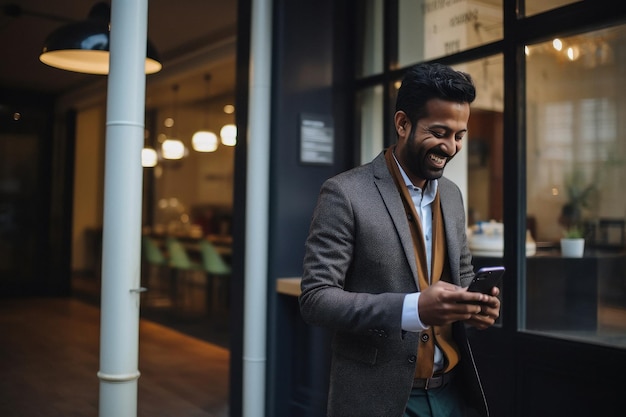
column 257, row 214
column 121, row 252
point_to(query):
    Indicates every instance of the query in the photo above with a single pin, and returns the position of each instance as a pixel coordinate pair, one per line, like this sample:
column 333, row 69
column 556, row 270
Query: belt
column 436, row 381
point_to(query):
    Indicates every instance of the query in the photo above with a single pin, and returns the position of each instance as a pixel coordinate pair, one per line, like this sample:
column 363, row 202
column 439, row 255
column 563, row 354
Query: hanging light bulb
column 148, row 157
column 172, row 147
column 205, row 140
column 228, row 133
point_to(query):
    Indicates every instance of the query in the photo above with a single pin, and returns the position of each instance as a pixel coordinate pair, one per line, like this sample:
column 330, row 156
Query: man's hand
column 489, row 312
column 444, row 303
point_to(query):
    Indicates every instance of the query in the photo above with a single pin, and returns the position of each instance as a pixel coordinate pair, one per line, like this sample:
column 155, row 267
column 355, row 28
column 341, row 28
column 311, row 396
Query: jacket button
column 412, row 359
column 425, row 337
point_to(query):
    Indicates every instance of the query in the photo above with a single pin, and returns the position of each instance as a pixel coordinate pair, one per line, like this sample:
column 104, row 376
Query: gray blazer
column 358, row 266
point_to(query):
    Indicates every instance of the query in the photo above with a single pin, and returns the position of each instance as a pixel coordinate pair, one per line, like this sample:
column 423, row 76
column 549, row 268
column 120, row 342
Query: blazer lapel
column 390, row 196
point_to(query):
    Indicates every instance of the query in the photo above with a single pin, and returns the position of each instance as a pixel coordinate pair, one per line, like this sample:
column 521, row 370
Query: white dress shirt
column 423, row 201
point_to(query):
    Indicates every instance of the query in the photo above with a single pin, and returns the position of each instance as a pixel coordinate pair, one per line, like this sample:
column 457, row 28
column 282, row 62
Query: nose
column 450, row 146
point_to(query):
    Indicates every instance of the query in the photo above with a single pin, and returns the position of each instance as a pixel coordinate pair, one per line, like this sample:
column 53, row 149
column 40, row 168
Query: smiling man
column 387, row 265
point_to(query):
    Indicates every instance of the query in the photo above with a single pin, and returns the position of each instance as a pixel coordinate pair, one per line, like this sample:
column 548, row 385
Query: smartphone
column 486, row 278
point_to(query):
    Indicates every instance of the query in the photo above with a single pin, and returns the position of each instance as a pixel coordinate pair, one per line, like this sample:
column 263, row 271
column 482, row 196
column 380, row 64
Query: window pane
column 539, row 6
column 483, row 166
column 429, row 29
column 576, row 173
column 370, row 32
column 371, row 123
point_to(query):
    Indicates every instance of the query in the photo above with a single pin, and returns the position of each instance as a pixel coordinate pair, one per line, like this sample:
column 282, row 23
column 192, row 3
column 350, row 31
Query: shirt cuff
column 410, row 316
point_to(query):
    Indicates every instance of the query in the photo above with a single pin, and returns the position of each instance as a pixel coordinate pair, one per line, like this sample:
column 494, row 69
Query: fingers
column 482, row 320
column 491, row 308
column 487, row 315
column 485, row 318
column 444, row 303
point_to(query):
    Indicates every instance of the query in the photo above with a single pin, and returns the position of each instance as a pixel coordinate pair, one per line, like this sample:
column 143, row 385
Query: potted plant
column 573, row 242
column 581, row 196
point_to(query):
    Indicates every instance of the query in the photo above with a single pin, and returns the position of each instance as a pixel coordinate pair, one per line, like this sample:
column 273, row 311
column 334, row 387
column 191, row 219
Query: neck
column 416, row 181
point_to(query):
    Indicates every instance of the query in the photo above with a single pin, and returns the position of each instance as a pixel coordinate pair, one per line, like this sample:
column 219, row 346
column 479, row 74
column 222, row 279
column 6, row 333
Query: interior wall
column 477, row 170
column 484, row 168
column 198, row 182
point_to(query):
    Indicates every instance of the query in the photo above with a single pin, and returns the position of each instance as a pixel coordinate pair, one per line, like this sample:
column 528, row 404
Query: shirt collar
column 431, row 185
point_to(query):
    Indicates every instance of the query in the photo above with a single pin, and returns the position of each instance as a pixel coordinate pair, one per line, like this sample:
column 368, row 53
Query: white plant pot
column 572, row 248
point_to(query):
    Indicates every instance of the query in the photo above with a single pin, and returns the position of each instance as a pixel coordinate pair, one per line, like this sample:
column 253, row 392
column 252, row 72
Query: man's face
column 424, row 150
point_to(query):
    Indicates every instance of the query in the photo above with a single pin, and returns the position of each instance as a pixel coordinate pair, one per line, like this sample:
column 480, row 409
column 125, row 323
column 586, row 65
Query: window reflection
column 484, row 143
column 484, row 163
column 370, row 122
column 370, row 31
column 575, row 175
column 428, row 29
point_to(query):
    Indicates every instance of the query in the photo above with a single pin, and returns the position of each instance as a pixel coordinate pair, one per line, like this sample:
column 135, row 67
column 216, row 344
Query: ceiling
column 193, row 38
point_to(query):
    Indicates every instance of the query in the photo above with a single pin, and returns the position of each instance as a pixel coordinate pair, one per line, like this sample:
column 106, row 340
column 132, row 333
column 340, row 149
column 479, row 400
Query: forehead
column 445, row 112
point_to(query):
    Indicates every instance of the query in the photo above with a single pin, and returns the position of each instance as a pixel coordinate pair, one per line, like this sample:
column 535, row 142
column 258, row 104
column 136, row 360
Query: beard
column 417, row 160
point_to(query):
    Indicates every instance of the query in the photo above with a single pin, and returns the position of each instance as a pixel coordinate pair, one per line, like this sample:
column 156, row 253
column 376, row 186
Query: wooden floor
column 49, row 358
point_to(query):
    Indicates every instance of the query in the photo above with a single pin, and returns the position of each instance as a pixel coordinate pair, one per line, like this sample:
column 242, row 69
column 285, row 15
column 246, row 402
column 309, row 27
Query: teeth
column 437, row 159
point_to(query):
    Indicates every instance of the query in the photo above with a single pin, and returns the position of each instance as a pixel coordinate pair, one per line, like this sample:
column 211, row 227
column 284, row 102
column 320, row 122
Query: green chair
column 154, row 272
column 152, row 253
column 218, row 277
column 185, row 277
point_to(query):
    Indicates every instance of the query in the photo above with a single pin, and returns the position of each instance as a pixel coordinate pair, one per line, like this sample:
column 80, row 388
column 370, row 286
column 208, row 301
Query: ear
column 402, row 124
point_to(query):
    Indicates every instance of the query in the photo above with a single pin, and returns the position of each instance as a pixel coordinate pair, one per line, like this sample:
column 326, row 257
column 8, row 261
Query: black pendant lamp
column 84, row 46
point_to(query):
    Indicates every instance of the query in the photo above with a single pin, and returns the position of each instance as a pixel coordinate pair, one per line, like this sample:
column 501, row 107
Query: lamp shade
column 84, row 46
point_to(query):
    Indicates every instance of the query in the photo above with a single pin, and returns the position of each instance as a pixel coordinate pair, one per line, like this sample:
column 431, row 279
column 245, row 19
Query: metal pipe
column 257, row 196
column 121, row 252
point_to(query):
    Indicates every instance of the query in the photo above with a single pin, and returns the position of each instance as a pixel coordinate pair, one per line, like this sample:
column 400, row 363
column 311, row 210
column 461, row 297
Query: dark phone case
column 485, row 279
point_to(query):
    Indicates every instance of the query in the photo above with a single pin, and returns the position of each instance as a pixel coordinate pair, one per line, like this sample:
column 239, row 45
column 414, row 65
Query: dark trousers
column 438, row 402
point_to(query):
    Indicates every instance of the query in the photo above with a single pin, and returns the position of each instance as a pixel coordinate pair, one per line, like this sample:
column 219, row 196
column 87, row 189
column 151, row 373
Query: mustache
column 440, row 152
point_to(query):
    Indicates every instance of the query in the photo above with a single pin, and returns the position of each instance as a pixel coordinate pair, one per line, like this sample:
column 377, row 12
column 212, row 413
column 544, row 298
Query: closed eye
column 438, row 135
column 443, row 133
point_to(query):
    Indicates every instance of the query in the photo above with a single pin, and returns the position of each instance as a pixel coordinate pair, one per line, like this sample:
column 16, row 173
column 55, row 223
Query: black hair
column 424, row 82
